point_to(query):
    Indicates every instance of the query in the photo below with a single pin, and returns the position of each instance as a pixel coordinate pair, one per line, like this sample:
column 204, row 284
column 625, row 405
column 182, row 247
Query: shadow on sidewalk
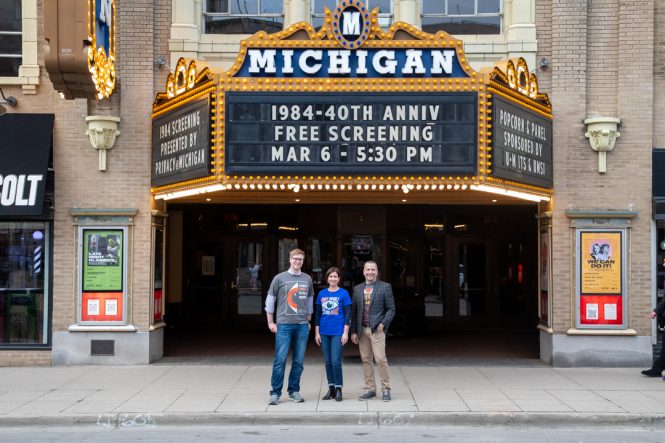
column 451, row 348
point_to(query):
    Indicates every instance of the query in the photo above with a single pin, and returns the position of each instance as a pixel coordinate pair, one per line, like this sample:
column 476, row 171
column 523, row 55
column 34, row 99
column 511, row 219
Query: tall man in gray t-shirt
column 291, row 296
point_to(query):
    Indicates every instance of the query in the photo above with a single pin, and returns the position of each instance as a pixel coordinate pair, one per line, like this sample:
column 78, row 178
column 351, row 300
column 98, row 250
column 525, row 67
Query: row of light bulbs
column 296, row 187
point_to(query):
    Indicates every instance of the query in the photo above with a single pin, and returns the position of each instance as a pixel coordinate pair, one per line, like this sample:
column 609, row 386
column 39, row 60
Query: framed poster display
column 208, row 265
column 545, row 259
column 158, row 273
column 102, row 271
column 600, row 282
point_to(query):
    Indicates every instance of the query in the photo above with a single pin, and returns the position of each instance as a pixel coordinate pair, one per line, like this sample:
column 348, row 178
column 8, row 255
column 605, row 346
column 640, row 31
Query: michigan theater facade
column 493, row 157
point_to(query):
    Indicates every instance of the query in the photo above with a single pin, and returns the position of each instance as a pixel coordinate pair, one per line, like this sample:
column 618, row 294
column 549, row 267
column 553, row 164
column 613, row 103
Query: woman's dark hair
column 331, row 270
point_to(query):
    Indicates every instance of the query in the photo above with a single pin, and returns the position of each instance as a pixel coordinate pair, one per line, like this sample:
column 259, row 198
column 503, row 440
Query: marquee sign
column 349, row 100
column 307, row 132
column 522, row 141
column 352, row 106
column 181, row 144
column 80, row 52
column 101, row 55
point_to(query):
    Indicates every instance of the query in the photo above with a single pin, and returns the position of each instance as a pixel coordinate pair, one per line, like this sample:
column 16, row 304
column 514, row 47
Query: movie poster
column 601, row 301
column 600, row 262
column 544, row 276
column 102, row 260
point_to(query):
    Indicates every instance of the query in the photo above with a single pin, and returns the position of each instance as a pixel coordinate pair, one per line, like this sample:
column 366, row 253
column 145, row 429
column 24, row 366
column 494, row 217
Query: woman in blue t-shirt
column 331, row 321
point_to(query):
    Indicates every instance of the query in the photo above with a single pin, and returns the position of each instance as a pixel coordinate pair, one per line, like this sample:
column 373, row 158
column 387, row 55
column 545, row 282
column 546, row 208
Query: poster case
column 102, row 297
column 601, row 266
column 544, row 299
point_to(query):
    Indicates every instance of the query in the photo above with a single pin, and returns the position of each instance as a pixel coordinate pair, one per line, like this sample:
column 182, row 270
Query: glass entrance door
column 435, row 283
column 471, row 283
column 249, row 284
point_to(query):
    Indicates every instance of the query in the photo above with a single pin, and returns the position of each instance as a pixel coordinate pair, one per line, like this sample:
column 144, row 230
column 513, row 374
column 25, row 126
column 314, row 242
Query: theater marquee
column 352, row 107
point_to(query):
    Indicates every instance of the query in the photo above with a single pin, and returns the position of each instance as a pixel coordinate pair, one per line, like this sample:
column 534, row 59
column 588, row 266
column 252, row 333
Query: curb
column 371, row 419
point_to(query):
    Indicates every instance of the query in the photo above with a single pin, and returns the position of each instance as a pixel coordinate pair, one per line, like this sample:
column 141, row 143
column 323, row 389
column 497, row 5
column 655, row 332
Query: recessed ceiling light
column 493, row 200
column 297, row 200
column 208, row 199
column 403, row 200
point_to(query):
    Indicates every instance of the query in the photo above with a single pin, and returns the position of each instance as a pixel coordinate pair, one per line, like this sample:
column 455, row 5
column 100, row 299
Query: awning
column 25, row 148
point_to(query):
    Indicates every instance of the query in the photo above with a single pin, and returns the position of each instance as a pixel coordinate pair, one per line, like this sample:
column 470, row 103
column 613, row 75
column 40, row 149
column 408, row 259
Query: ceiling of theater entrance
column 356, row 197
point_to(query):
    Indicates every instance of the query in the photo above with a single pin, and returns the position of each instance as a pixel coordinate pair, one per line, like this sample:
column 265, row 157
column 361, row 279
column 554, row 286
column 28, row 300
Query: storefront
column 26, row 227
column 353, row 134
column 356, row 143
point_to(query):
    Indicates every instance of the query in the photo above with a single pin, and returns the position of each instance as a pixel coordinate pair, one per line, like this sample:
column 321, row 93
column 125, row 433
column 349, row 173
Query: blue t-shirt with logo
column 332, row 311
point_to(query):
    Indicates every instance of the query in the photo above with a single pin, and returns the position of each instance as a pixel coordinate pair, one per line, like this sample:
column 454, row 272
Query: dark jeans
column 289, row 337
column 331, row 345
column 659, row 363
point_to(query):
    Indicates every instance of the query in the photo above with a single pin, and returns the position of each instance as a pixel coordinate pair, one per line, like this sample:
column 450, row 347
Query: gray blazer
column 381, row 310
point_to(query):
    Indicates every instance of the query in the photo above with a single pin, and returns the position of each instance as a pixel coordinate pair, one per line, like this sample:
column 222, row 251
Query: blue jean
column 289, row 337
column 331, row 345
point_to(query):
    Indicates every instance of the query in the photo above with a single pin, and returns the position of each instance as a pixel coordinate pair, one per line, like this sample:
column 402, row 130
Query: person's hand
column 345, row 338
column 317, row 339
column 380, row 327
column 652, row 314
column 354, row 338
column 272, row 327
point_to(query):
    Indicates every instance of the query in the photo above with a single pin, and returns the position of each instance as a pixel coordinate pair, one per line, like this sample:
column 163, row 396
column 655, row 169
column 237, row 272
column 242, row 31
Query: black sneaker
column 652, row 373
column 367, row 395
column 386, row 395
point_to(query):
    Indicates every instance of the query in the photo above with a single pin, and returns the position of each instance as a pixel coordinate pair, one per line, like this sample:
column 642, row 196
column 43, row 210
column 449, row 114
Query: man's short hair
column 296, row 252
column 370, row 262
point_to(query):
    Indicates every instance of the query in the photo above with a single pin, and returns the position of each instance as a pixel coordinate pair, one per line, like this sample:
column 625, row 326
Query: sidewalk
column 237, row 394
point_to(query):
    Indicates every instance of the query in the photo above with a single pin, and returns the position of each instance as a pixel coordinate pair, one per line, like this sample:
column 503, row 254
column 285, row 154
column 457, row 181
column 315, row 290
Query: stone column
column 297, row 11
column 520, row 30
column 185, row 29
column 407, row 11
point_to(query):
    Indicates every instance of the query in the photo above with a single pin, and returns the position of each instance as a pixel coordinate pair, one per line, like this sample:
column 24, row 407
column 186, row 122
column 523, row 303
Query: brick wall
column 25, row 358
column 659, row 75
column 126, row 183
column 602, row 64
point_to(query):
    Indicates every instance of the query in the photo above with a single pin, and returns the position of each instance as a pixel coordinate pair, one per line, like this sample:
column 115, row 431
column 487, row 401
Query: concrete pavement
column 237, row 394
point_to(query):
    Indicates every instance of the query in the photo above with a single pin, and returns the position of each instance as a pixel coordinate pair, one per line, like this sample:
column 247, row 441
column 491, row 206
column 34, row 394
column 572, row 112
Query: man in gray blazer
column 372, row 311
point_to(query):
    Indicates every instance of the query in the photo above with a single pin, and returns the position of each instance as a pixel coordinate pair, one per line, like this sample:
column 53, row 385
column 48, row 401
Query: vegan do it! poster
column 601, row 263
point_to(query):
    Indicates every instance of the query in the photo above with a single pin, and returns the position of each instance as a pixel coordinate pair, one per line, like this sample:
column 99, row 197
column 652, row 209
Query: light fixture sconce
column 602, row 134
column 102, row 130
column 9, row 100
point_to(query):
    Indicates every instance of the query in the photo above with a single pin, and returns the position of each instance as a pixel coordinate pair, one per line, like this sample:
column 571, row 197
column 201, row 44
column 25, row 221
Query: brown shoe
column 367, row 395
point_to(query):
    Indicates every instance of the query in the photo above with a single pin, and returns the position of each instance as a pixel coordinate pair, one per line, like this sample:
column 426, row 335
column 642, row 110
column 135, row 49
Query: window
column 462, row 16
column 318, row 11
column 243, row 16
column 10, row 38
column 24, row 264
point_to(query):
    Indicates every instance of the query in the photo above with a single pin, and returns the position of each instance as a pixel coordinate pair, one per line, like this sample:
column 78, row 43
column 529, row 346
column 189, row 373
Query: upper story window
column 385, row 10
column 462, row 16
column 11, row 40
column 243, row 16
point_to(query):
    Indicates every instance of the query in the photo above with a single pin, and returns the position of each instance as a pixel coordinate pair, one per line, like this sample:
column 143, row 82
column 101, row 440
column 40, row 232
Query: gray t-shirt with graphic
column 291, row 297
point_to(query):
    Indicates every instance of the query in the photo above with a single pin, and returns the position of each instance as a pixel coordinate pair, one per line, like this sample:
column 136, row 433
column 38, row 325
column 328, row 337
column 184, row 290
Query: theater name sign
column 351, row 107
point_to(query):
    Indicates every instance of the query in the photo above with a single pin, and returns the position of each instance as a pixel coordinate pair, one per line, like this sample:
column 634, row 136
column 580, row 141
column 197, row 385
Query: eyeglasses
column 297, row 258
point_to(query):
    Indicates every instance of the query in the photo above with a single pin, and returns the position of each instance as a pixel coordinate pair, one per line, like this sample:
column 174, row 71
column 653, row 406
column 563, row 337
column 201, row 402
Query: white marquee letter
column 390, row 63
column 310, row 53
column 262, row 59
column 442, row 61
column 414, row 62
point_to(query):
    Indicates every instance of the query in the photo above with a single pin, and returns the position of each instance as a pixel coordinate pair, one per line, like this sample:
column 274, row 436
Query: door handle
column 233, row 285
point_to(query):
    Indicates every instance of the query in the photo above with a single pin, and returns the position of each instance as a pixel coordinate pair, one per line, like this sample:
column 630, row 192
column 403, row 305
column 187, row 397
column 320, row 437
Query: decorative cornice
column 514, row 76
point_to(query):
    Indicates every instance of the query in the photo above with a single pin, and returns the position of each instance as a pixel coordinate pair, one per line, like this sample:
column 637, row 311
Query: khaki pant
column 374, row 345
